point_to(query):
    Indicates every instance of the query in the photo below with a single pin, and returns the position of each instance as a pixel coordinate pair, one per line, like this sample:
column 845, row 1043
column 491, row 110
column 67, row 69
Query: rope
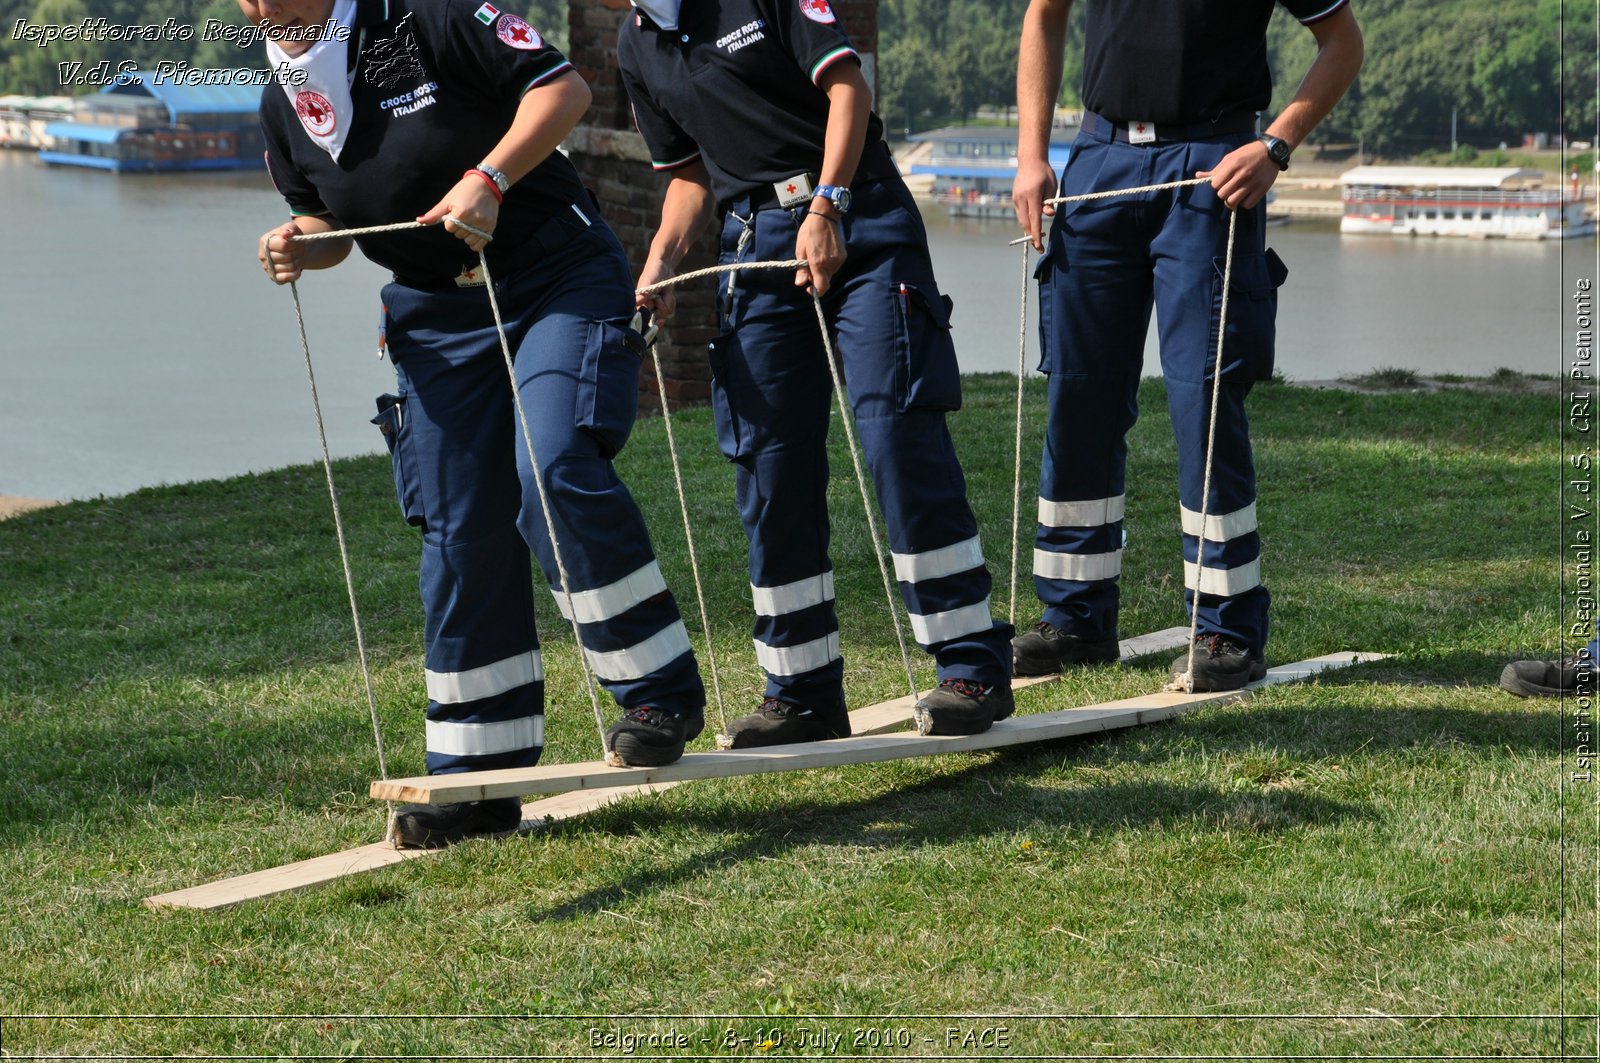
column 688, row 535
column 544, row 500
column 527, row 438
column 1187, row 679
column 1016, row 465
column 1083, row 197
column 866, row 499
column 735, row 267
column 849, row 429
column 344, row 551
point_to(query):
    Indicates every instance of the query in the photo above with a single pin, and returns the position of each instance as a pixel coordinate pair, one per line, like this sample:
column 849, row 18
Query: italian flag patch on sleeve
column 487, row 14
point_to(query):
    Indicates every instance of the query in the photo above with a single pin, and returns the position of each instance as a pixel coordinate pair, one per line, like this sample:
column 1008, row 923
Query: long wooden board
column 319, row 871
column 1039, row 727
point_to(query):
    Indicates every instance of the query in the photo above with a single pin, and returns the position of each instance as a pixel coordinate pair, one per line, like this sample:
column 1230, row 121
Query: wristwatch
column 499, row 179
column 838, row 195
column 1277, row 150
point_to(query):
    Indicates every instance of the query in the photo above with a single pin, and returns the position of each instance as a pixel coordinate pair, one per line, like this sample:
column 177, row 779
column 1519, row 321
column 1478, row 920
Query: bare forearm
column 849, row 103
column 1039, row 60
column 544, row 118
column 685, row 212
column 1340, row 50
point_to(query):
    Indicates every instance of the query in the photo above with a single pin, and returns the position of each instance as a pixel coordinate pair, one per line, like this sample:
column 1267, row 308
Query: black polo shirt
column 736, row 86
column 437, row 84
column 1182, row 61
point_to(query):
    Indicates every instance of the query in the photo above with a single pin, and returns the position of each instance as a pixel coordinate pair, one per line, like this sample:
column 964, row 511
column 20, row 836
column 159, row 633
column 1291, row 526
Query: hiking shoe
column 962, row 707
column 1542, row 679
column 649, row 738
column 435, row 826
column 1220, row 664
column 1047, row 649
column 780, row 723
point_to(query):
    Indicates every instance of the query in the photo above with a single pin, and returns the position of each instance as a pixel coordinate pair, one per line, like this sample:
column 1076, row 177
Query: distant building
column 974, row 167
column 23, row 119
column 144, row 123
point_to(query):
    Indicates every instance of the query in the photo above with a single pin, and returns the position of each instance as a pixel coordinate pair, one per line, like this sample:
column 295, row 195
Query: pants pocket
column 1044, row 274
column 608, row 386
column 1248, row 349
column 392, row 422
column 732, row 438
column 927, row 376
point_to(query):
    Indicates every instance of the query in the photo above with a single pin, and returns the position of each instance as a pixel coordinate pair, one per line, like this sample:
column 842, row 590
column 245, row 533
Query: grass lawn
column 1391, row 861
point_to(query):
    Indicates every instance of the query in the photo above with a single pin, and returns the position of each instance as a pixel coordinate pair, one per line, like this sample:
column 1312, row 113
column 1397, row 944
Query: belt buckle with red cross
column 795, row 191
column 1141, row 132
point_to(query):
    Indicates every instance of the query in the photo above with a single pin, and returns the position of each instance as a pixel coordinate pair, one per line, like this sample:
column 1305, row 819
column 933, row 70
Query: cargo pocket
column 927, row 376
column 608, row 386
column 391, row 421
column 1248, row 348
column 732, row 439
column 1044, row 274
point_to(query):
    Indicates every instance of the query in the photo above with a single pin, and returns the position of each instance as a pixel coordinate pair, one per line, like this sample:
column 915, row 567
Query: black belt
column 555, row 233
column 876, row 164
column 1103, row 128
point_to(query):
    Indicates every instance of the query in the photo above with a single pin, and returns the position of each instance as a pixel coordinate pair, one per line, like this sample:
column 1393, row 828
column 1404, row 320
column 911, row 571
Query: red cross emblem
column 789, row 188
column 517, row 33
column 1139, row 127
column 315, row 112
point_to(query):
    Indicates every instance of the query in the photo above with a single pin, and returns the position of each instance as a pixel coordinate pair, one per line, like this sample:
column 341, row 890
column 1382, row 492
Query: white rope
column 866, row 498
column 344, row 551
column 1085, row 196
column 1185, row 682
column 527, row 438
column 1016, row 465
column 688, row 535
column 544, row 501
column 735, row 267
column 849, row 428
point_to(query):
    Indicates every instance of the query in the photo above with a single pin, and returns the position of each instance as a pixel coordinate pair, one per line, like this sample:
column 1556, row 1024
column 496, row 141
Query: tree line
column 1494, row 71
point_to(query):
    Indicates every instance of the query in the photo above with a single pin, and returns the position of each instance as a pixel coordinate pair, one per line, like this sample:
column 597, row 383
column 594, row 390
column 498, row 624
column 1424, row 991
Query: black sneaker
column 781, row 723
column 1220, row 664
column 1542, row 679
column 962, row 707
column 650, row 738
column 1047, row 649
column 435, row 826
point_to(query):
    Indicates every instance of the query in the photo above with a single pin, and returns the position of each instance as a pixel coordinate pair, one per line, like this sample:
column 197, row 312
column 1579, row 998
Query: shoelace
column 782, row 709
column 969, row 688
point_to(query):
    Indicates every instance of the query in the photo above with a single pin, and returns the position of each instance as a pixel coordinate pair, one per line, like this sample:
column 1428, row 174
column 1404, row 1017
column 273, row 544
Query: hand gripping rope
column 1184, row 682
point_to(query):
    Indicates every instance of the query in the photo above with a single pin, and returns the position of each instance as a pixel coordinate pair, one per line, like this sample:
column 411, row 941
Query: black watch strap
column 1278, row 150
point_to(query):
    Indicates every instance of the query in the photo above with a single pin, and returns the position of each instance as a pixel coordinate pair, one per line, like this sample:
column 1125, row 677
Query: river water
column 140, row 343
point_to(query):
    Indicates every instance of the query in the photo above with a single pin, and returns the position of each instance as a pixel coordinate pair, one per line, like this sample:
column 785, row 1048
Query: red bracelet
column 498, row 198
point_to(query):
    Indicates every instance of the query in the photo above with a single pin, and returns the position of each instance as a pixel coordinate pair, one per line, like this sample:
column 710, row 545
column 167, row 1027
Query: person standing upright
column 760, row 112
column 1171, row 91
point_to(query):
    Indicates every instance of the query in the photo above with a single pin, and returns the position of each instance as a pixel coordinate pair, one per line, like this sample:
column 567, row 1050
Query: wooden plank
column 1039, row 727
column 894, row 714
column 319, row 871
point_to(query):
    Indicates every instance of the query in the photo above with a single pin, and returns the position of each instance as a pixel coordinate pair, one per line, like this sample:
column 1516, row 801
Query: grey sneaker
column 1220, row 664
column 435, row 826
column 1542, row 679
column 646, row 737
column 1047, row 649
column 780, row 723
column 962, row 707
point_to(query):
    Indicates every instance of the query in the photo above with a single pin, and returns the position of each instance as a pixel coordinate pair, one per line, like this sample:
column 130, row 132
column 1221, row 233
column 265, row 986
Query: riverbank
column 13, row 505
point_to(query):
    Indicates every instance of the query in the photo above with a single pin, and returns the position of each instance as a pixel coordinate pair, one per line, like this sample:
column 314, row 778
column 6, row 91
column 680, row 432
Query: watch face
column 841, row 200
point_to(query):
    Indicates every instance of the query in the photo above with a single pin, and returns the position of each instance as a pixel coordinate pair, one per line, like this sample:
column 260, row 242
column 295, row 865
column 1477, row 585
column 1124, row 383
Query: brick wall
column 611, row 157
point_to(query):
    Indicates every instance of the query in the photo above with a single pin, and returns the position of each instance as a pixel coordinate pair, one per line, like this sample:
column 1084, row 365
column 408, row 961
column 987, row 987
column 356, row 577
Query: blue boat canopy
column 94, row 134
